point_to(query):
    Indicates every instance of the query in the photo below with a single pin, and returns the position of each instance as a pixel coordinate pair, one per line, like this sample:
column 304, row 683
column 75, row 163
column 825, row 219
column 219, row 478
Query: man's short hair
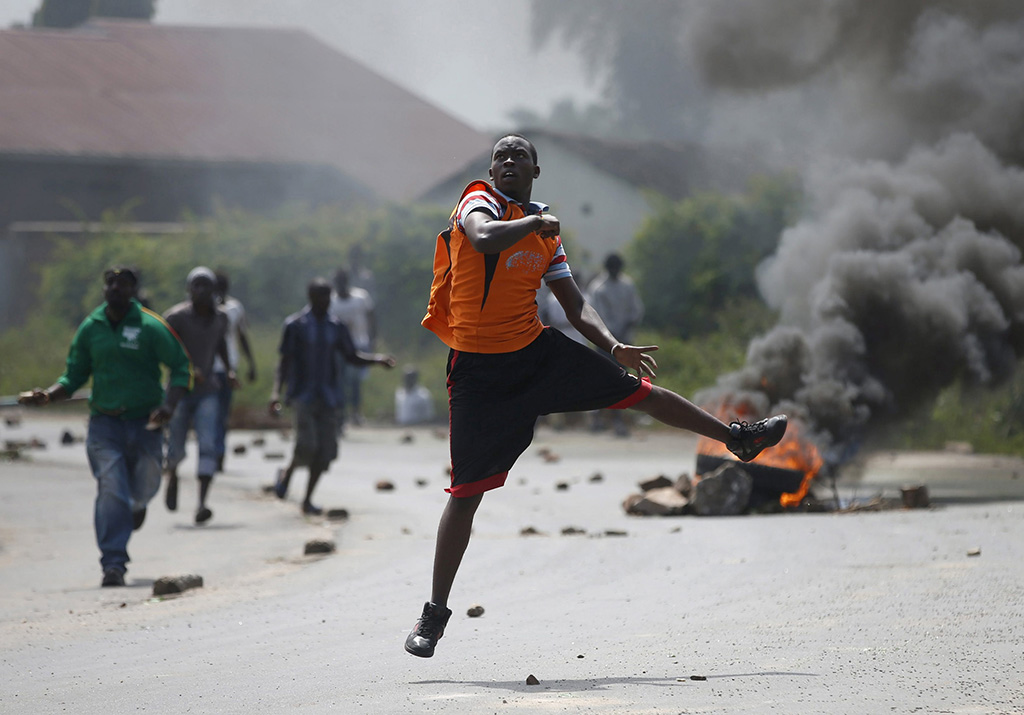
column 318, row 284
column 117, row 271
column 516, row 135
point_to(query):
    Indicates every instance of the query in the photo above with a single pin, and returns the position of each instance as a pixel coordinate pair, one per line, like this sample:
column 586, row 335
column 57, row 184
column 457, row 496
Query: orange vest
column 487, row 303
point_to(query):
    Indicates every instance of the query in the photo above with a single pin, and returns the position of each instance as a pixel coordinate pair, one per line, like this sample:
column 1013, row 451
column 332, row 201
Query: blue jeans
column 201, row 411
column 224, row 413
column 125, row 459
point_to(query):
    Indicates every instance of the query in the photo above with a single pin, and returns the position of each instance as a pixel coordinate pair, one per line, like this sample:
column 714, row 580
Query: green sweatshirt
column 125, row 361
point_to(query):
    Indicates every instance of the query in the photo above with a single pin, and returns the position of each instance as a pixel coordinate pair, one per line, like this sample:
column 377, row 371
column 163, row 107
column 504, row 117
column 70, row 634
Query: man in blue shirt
column 309, row 343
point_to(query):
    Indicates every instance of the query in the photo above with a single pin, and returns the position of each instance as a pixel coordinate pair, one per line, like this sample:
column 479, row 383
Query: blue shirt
column 311, row 346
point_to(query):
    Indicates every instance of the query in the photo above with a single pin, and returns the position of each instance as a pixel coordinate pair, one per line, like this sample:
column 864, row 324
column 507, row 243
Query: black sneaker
column 203, row 515
column 112, row 577
column 138, row 518
column 747, row 441
column 428, row 630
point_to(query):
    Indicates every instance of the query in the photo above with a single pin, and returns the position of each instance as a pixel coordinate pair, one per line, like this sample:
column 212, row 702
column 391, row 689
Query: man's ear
column 490, row 173
column 536, row 171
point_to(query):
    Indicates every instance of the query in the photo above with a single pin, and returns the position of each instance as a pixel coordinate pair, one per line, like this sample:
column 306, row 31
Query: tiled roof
column 134, row 89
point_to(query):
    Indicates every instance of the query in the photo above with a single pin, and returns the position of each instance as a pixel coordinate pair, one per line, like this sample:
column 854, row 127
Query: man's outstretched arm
column 585, row 319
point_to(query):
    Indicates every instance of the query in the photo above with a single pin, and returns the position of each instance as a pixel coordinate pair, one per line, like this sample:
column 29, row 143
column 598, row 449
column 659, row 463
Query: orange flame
column 794, row 452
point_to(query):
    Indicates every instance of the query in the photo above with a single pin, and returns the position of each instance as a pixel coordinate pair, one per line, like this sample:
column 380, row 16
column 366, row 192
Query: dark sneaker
column 203, row 515
column 428, row 630
column 112, row 577
column 311, row 510
column 171, row 496
column 747, row 441
column 138, row 517
column 281, row 486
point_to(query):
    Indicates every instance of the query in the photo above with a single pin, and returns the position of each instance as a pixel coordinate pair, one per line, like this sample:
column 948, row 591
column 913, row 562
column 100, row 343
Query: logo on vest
column 525, row 262
column 130, row 337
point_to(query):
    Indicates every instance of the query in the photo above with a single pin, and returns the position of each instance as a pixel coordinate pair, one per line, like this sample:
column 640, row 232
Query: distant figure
column 360, row 275
column 353, row 307
column 413, row 403
column 616, row 299
column 238, row 336
column 311, row 341
column 122, row 346
column 203, row 328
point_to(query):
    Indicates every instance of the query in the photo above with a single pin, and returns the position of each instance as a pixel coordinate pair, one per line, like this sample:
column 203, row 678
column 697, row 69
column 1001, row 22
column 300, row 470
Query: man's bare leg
column 676, row 411
column 452, row 539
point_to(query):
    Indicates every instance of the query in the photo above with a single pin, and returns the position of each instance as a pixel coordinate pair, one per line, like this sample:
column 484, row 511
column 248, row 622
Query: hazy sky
column 427, row 47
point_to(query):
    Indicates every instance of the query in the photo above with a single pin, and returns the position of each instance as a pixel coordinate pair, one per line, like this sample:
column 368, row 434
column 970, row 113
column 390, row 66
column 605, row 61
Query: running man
column 122, row 346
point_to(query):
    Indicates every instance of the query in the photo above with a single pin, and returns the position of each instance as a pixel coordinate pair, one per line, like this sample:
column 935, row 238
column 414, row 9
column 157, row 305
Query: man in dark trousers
column 311, row 342
column 505, row 368
column 203, row 328
column 122, row 346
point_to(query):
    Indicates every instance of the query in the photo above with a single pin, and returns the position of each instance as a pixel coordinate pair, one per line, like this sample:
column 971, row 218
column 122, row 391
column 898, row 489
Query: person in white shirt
column 413, row 403
column 617, row 300
column 353, row 307
column 237, row 336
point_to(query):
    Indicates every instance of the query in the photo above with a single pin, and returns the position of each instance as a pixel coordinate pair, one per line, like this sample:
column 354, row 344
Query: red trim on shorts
column 641, row 392
column 473, row 488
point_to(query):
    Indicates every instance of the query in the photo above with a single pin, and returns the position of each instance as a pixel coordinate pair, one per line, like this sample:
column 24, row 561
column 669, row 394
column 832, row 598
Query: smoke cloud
column 906, row 271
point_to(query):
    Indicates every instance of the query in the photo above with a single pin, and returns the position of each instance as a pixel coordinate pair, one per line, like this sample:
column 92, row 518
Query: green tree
column 72, row 13
column 698, row 256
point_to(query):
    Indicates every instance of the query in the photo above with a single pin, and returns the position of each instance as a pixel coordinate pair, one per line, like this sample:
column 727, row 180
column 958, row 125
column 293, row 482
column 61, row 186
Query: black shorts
column 494, row 401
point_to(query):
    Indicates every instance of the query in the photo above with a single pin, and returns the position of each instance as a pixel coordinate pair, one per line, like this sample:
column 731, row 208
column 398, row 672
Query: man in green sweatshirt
column 122, row 345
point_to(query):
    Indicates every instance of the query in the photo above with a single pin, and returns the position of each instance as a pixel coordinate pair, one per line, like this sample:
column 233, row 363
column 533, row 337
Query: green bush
column 692, row 257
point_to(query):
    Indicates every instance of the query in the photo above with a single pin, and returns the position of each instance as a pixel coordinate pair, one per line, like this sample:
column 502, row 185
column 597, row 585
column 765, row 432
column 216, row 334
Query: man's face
column 118, row 290
column 200, row 290
column 512, row 167
column 320, row 300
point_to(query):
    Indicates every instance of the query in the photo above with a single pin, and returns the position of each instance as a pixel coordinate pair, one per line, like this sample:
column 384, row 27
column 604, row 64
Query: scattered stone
column 684, row 485
column 580, row 655
column 662, row 501
column 336, row 514
column 547, row 455
column 659, row 482
column 239, row 449
column 597, row 477
column 615, row 532
column 319, row 546
column 66, row 437
column 12, row 420
column 385, row 486
column 259, row 442
column 698, row 677
column 573, row 531
column 408, row 438
column 562, row 486
column 176, row 584
column 723, row 492
column 475, row 611
column 915, row 496
column 272, row 456
column 406, row 530
column 532, row 680
column 530, row 531
column 10, row 454
column 421, row 482
column 976, row 551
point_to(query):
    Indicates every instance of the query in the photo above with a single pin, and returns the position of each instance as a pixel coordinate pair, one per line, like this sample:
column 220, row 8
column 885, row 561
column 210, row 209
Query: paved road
column 875, row 612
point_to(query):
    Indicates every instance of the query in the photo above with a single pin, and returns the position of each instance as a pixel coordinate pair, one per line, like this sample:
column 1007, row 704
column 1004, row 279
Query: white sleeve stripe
column 477, row 200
